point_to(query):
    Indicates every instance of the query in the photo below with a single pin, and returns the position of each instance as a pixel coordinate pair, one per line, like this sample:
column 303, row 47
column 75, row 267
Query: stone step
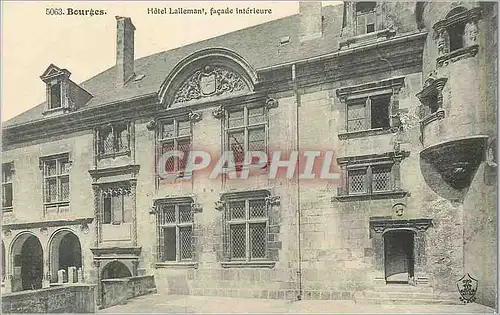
column 406, row 301
column 402, row 288
column 385, row 294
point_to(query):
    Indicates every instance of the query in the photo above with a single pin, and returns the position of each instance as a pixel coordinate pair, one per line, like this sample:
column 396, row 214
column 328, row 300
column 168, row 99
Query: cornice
column 46, row 224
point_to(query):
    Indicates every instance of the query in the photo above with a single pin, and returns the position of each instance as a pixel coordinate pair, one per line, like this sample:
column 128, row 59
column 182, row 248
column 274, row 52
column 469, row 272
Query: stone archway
column 27, row 263
column 114, row 270
column 65, row 252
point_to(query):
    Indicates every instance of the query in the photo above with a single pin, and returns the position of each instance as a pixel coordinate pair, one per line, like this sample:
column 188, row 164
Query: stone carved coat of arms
column 210, row 81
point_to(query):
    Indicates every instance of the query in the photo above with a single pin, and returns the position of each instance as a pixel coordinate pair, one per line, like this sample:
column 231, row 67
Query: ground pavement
column 162, row 303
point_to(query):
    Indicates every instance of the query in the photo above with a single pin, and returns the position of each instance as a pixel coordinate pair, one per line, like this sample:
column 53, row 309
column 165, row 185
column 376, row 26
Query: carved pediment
column 53, row 71
column 210, row 81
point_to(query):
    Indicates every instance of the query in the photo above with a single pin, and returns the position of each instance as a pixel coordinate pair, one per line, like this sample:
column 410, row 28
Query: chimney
column 124, row 49
column 311, row 20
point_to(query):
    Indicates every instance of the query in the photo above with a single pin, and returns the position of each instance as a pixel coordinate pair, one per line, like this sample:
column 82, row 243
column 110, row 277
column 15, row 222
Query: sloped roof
column 259, row 45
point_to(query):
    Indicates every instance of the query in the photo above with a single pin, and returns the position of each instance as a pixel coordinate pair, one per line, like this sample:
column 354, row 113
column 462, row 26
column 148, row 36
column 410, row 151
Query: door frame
column 410, row 254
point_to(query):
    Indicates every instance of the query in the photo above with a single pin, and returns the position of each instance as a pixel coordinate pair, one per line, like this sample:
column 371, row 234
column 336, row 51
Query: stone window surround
column 388, row 86
column 242, row 195
column 114, row 154
column 59, row 77
column 129, row 174
column 195, row 208
column 470, row 45
column 432, row 92
column 356, row 162
column 41, row 165
column 12, row 171
column 220, row 112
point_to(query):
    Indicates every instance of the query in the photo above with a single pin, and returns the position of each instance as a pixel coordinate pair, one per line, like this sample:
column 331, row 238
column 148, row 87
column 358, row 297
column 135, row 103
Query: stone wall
column 62, row 299
column 118, row 291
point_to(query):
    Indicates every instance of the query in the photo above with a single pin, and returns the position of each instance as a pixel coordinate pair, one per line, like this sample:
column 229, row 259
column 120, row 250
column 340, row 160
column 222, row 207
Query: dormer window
column 55, row 96
column 63, row 95
column 365, row 17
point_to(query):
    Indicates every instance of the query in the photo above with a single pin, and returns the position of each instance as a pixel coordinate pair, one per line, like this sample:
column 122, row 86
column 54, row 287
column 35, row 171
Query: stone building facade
column 404, row 93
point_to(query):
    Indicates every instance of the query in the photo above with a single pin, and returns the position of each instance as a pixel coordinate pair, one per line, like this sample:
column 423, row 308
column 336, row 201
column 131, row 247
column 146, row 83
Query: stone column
column 420, row 259
column 135, row 264
column 133, row 190
column 97, row 218
column 470, row 33
column 442, row 47
column 378, row 253
column 46, row 269
column 97, row 265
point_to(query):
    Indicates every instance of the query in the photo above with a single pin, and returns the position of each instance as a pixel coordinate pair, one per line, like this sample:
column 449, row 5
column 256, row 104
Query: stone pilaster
column 97, row 221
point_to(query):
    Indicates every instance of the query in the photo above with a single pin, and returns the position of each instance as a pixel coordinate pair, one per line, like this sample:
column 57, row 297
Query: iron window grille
column 370, row 179
column 247, row 228
column 113, row 140
column 175, row 232
column 175, row 134
column 245, row 130
column 7, row 189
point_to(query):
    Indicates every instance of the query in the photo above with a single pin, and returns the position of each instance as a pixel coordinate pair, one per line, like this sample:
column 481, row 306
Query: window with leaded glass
column 7, row 191
column 247, row 228
column 113, row 139
column 175, row 135
column 56, row 179
column 246, row 131
column 365, row 17
column 368, row 113
column 175, row 232
column 369, row 179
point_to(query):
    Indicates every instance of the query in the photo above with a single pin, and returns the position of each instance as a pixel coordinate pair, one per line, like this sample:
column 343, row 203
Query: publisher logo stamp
column 467, row 287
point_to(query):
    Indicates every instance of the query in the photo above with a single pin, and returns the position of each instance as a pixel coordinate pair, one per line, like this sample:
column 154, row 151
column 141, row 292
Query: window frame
column 247, row 221
column 368, row 109
column 178, row 225
column 246, row 127
column 58, row 176
column 390, row 160
column 369, row 178
column 7, row 181
column 113, row 130
column 365, row 15
column 51, row 102
column 112, row 211
column 175, row 139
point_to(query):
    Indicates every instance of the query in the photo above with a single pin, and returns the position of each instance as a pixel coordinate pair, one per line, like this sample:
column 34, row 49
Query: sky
column 85, row 45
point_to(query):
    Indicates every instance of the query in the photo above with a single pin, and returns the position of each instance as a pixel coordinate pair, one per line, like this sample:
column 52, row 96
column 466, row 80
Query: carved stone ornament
column 210, row 81
column 194, row 116
column 273, row 200
column 43, row 230
column 219, row 205
column 116, row 191
column 398, row 209
column 151, row 125
column 218, row 112
column 196, row 207
column 84, row 228
column 271, row 103
column 7, row 233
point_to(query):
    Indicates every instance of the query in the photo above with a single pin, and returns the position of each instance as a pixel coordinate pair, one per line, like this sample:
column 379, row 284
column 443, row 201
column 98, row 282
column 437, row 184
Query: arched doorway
column 115, row 269
column 65, row 252
column 398, row 254
column 27, row 263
